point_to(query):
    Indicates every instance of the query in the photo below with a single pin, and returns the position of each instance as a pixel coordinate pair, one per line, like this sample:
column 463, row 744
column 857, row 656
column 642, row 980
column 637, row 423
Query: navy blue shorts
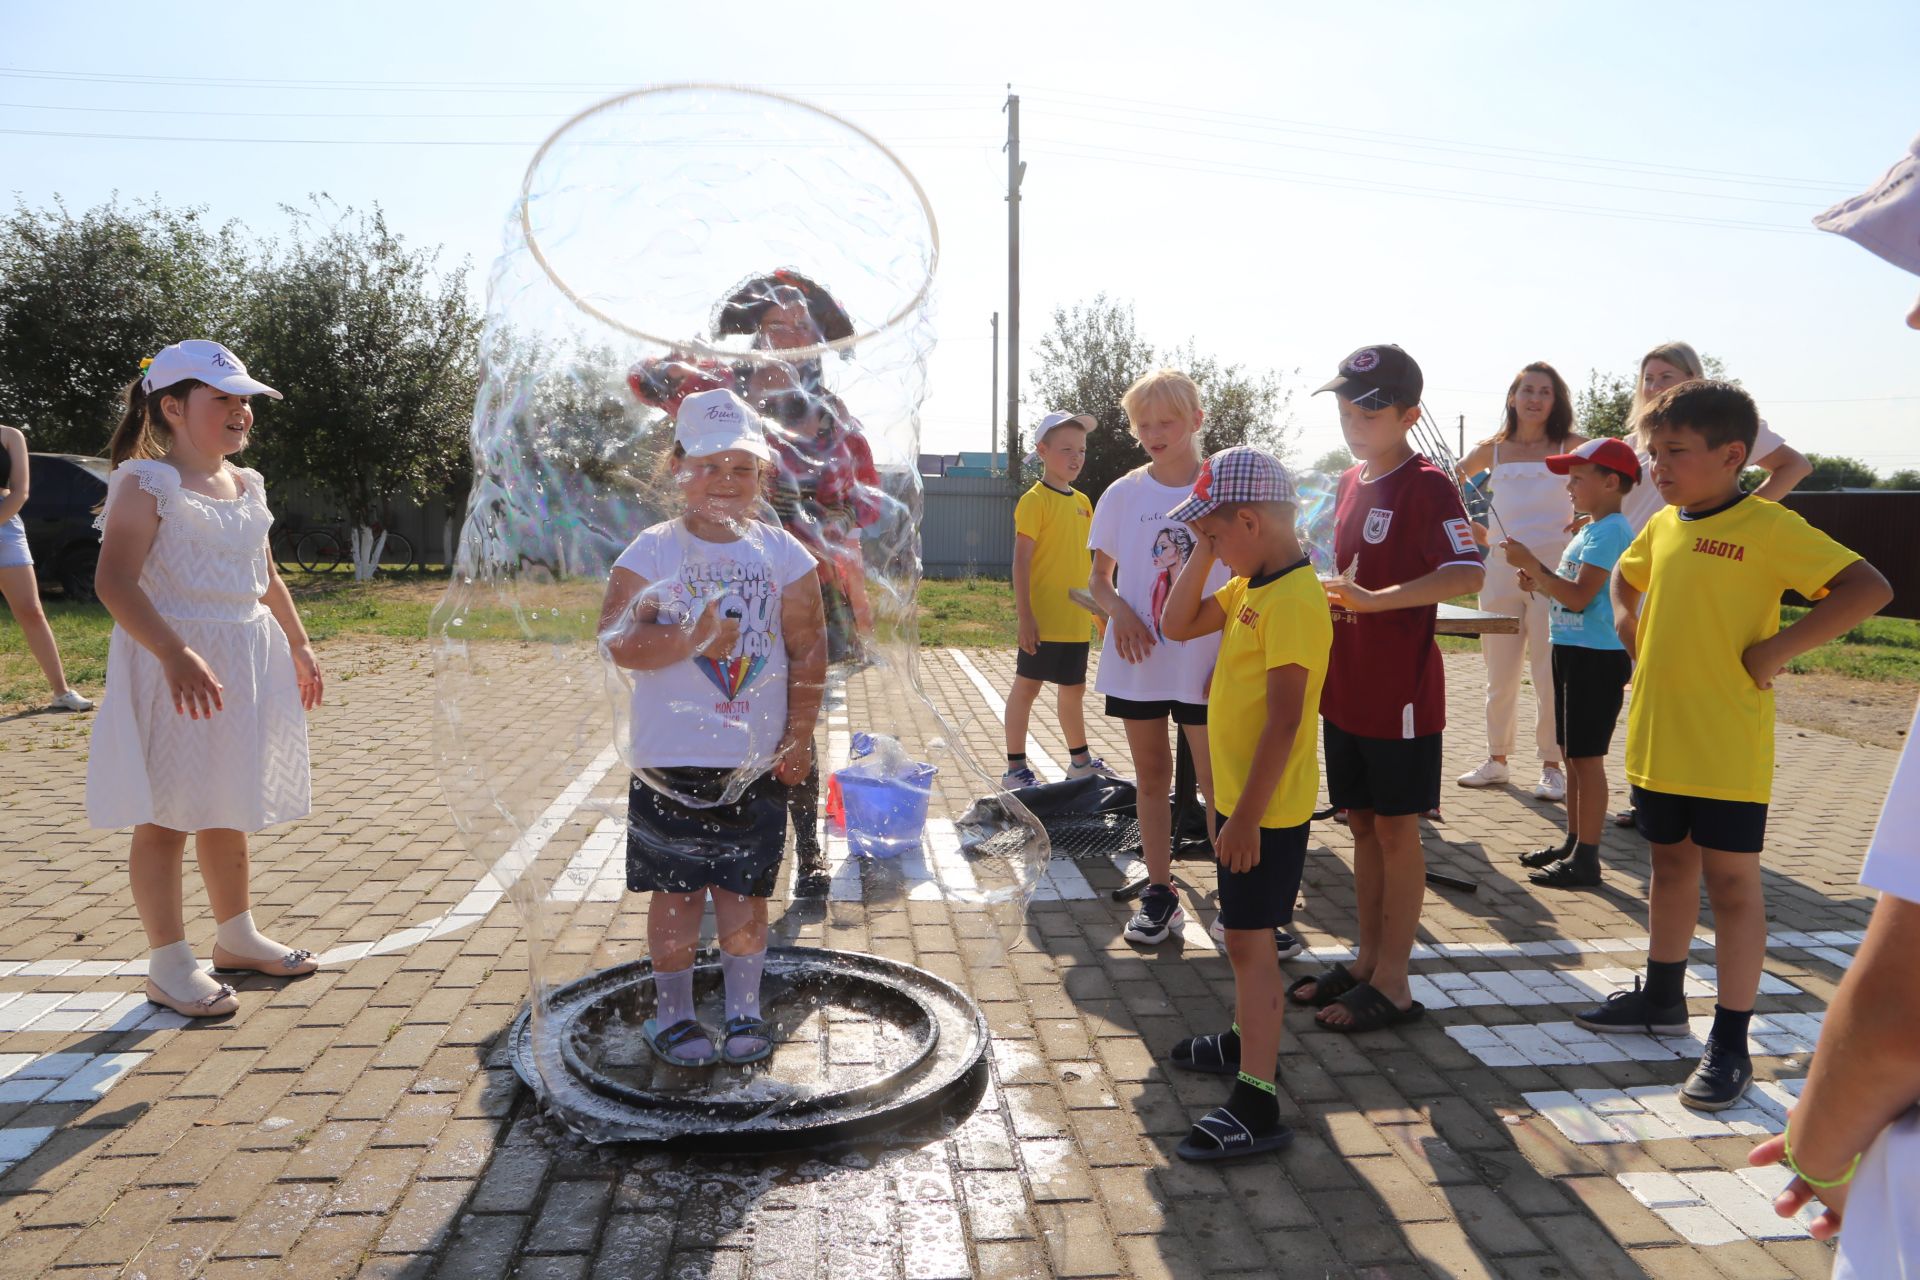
column 1735, row 826
column 1182, row 712
column 1263, row 898
column 1062, row 662
column 674, row 847
column 1390, row 776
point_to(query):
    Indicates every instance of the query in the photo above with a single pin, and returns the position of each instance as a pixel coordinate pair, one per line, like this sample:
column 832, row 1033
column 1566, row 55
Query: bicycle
column 323, row 550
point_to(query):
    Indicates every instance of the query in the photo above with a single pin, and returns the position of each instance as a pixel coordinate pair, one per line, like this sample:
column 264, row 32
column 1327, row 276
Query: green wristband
column 1807, row 1178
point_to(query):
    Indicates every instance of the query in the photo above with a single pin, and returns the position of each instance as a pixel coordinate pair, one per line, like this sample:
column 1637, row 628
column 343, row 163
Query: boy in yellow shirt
column 1050, row 558
column 1696, row 600
column 1263, row 711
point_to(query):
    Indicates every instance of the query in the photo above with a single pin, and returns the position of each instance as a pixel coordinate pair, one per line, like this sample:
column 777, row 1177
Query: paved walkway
column 362, row 1121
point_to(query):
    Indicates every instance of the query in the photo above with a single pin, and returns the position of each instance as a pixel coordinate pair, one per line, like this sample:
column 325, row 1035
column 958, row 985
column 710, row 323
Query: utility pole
column 993, row 405
column 1015, row 172
column 1463, row 437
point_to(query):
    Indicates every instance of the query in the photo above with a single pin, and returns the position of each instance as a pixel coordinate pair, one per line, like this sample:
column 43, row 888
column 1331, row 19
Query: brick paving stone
column 380, row 1086
column 1078, row 1240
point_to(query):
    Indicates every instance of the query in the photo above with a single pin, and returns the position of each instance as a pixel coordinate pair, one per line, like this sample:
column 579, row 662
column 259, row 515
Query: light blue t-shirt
column 1599, row 544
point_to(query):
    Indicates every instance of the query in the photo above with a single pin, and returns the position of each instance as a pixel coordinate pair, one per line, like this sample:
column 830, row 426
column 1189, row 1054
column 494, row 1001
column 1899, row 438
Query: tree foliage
column 1093, row 352
column 376, row 354
column 1831, row 471
column 84, row 298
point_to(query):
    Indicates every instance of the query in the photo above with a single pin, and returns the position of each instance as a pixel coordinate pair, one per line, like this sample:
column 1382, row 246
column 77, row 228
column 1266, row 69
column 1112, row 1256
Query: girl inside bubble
column 717, row 615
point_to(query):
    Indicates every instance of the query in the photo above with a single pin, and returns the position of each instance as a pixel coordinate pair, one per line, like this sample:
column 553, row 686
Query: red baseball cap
column 1614, row 455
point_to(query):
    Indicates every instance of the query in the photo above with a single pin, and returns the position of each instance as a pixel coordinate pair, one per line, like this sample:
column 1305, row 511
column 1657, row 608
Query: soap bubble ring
column 684, row 234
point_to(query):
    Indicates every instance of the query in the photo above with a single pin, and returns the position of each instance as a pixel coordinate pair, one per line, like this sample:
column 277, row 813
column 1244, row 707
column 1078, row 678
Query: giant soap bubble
column 691, row 245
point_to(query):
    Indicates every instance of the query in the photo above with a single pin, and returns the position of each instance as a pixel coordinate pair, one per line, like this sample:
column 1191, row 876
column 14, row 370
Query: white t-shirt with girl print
column 706, row 712
column 1130, row 524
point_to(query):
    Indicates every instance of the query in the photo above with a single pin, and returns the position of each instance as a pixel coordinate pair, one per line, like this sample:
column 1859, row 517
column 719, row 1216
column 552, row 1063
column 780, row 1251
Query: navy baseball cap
column 1376, row 377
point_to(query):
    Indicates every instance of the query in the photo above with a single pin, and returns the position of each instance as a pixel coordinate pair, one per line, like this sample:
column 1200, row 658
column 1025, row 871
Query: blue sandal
column 1220, row 1135
column 745, row 1026
column 1207, row 1054
column 665, row 1043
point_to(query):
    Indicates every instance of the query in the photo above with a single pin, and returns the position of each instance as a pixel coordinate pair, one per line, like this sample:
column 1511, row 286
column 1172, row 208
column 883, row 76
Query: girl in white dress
column 202, row 727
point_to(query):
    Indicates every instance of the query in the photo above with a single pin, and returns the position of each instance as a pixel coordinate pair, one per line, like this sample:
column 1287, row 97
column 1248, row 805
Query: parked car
column 64, row 493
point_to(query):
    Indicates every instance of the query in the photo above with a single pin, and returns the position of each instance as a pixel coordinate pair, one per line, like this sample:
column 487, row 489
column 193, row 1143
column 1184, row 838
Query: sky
column 1484, row 183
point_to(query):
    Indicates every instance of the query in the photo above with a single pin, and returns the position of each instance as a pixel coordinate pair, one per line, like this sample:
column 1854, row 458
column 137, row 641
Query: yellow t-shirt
column 1698, row 726
column 1276, row 621
column 1058, row 523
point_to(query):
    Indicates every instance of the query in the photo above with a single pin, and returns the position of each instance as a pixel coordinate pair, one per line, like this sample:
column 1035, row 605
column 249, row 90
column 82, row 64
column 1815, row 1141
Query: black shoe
column 810, row 878
column 1545, row 857
column 1632, row 1011
column 1567, row 875
column 1719, row 1081
column 1287, row 945
column 1159, row 915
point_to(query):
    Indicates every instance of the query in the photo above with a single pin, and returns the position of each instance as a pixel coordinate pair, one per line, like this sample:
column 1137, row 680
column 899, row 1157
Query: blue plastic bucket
column 885, row 816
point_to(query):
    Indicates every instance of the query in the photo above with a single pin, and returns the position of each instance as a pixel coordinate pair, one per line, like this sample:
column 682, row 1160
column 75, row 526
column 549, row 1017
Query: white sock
column 238, row 937
column 175, row 971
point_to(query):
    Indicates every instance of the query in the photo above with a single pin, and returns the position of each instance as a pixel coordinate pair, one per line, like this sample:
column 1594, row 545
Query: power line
column 1231, row 169
column 1138, row 106
column 946, row 141
column 556, row 115
column 1444, row 164
column 836, row 89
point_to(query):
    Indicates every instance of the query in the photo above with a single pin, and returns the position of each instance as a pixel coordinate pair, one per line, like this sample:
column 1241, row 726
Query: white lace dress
column 246, row 767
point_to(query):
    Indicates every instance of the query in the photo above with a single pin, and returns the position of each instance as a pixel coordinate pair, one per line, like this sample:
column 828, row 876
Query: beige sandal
column 218, row 1005
column 294, row 964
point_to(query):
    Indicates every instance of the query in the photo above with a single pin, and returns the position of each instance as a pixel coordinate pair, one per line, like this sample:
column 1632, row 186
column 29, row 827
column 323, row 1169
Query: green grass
column 971, row 613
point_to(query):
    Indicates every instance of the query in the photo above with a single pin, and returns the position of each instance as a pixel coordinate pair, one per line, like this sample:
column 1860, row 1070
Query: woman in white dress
column 202, row 728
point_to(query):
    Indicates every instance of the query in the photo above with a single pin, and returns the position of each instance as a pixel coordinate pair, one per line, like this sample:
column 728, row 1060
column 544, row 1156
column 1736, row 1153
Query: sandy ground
column 1863, row 710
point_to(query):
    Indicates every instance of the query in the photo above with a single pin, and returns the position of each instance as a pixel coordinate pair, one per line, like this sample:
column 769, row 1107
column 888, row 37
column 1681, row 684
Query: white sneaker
column 1552, row 784
column 1491, row 773
column 1093, row 765
column 71, row 701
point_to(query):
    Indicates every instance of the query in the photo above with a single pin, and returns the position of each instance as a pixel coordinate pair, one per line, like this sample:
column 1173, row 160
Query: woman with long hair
column 1531, row 506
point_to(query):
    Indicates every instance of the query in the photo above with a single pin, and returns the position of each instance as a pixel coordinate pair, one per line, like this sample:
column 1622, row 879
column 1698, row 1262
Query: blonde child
column 1147, row 678
column 1050, row 526
column 718, row 617
column 202, row 728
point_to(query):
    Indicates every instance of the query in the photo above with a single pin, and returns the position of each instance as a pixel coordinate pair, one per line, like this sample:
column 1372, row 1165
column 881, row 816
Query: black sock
column 1016, row 761
column 1586, row 857
column 1568, row 845
column 1079, row 755
column 1666, row 982
column 1230, row 1044
column 1730, row 1028
column 1254, row 1104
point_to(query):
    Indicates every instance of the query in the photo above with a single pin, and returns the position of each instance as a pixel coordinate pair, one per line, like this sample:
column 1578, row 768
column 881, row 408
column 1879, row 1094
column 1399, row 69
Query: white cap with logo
column 203, row 361
column 711, row 422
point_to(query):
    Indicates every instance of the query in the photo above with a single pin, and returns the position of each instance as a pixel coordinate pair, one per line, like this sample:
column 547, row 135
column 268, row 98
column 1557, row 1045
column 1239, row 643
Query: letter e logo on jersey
column 1377, row 521
column 1460, row 533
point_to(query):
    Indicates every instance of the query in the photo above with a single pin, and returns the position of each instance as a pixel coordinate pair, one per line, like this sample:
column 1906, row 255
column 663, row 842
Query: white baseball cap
column 204, row 361
column 1885, row 218
column 711, row 422
column 1060, row 418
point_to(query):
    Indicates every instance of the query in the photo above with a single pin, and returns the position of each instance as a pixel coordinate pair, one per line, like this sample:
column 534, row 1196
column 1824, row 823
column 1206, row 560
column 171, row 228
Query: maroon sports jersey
column 1385, row 679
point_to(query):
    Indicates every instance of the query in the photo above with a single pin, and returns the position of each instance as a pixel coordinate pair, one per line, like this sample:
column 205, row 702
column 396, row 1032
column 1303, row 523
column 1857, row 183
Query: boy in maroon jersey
column 1402, row 543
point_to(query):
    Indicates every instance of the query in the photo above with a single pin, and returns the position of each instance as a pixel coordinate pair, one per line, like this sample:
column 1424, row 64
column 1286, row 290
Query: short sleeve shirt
column 1598, row 544
column 1130, row 524
column 1893, row 859
column 1279, row 620
column 1058, row 522
column 715, row 713
column 1712, row 584
column 1386, row 680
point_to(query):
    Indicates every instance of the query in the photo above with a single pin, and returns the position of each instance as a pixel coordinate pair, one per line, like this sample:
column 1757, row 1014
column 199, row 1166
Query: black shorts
column 1062, row 662
column 1390, row 776
column 1263, row 897
column 1182, row 712
column 1733, row 826
column 1588, row 687
column 673, row 847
